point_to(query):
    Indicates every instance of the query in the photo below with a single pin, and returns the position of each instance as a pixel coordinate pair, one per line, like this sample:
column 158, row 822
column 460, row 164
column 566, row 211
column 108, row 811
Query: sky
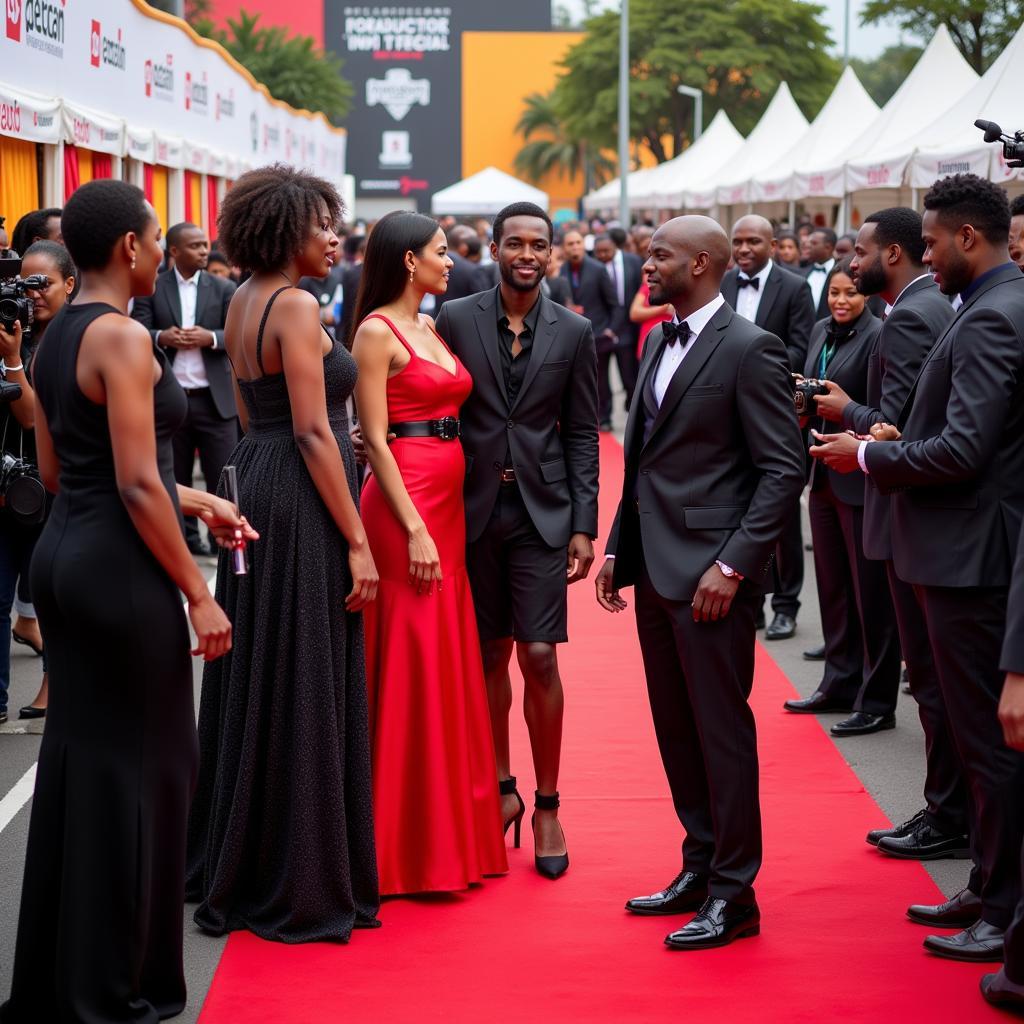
column 867, row 43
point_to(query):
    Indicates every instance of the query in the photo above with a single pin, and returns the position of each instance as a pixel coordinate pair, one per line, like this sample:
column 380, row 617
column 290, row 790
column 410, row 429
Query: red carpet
column 834, row 945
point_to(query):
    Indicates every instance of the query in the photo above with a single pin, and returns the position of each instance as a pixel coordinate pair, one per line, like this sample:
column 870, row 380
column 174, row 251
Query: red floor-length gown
column 435, row 794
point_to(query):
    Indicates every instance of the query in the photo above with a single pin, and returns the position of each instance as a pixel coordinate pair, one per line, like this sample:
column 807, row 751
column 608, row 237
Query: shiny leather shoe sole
column 988, row 955
column 869, row 724
column 952, row 920
column 681, row 904
column 728, row 938
column 943, row 851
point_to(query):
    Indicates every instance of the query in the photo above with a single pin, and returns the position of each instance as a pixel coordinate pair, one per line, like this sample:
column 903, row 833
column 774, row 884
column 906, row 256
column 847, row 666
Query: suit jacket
column 723, row 466
column 786, row 309
column 632, row 275
column 550, row 429
column 849, row 369
column 1012, row 659
column 465, row 278
column 596, row 294
column 557, row 289
column 919, row 316
column 957, row 475
column 162, row 309
column 821, row 310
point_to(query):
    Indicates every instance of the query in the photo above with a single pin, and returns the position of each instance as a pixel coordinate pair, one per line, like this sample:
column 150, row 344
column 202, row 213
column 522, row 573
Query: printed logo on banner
column 43, row 21
column 159, row 78
column 254, row 131
column 224, row 106
column 10, row 116
column 398, row 92
column 394, row 150
column 106, row 51
column 13, row 8
column 197, row 94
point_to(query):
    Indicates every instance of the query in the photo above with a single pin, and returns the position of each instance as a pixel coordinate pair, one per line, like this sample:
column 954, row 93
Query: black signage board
column 405, row 62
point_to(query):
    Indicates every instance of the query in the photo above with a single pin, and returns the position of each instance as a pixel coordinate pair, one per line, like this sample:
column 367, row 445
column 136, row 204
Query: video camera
column 1013, row 145
column 15, row 305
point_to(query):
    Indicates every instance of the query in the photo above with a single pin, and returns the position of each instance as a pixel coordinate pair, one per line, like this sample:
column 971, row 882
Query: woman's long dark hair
column 384, row 274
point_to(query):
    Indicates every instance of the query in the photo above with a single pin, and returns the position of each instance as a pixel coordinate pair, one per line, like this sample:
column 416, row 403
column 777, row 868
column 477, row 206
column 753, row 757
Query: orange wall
column 499, row 70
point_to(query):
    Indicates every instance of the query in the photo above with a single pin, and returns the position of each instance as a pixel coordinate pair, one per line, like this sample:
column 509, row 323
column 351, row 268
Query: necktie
column 749, row 282
column 676, row 332
column 821, row 267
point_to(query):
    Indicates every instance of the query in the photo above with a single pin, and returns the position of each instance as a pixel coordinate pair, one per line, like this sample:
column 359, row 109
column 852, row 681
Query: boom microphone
column 993, row 133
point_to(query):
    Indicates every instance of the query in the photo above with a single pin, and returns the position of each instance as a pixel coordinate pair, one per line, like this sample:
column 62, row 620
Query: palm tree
column 550, row 146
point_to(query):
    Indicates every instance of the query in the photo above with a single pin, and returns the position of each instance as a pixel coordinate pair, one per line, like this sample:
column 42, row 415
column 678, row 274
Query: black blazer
column 551, row 429
column 957, row 475
column 465, row 278
column 162, row 309
column 919, row 316
column 557, row 289
column 596, row 294
column 821, row 310
column 786, row 309
column 849, row 369
column 722, row 468
column 628, row 331
column 1012, row 659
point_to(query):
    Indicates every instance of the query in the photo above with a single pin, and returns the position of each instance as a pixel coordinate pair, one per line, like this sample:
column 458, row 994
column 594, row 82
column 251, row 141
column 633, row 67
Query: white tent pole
column 913, row 198
column 792, row 213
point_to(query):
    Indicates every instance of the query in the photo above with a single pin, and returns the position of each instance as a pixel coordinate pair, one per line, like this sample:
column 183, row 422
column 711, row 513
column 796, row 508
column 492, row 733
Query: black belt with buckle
column 508, row 475
column 447, row 429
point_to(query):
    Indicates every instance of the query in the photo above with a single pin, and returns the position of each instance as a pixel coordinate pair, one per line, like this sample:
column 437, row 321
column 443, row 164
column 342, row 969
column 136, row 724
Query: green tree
column 980, row 28
column 291, row 67
column 550, row 147
column 884, row 75
column 737, row 51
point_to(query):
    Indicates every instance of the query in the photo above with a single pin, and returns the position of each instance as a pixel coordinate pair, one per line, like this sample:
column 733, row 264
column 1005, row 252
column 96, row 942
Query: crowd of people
column 412, row 414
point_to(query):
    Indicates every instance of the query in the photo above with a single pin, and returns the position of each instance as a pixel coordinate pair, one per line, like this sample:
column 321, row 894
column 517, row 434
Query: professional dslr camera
column 15, row 305
column 21, row 489
column 803, row 396
column 1013, row 145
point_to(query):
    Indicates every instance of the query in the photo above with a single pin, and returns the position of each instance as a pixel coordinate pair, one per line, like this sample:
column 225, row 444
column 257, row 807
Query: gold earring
column 133, row 263
column 412, row 276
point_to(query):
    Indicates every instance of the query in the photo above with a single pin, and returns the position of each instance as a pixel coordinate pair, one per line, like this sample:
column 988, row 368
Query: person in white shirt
column 822, row 253
column 186, row 316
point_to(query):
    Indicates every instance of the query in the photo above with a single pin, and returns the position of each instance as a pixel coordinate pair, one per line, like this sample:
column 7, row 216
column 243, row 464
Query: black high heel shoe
column 507, row 787
column 549, row 867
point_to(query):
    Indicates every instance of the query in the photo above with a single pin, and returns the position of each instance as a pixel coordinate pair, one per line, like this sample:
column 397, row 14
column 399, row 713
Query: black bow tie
column 749, row 282
column 821, row 267
column 676, row 332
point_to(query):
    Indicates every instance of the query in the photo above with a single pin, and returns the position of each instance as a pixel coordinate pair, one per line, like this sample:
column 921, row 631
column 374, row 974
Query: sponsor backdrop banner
column 130, row 83
column 406, row 65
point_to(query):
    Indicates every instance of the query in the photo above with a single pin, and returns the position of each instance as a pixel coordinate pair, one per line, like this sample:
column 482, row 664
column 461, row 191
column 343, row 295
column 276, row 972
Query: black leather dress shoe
column 926, row 843
column 815, row 653
column 687, row 891
column 860, row 723
column 717, row 923
column 958, row 911
column 31, row 711
column 812, row 705
column 998, row 990
column 894, row 830
column 982, row 943
column 782, row 627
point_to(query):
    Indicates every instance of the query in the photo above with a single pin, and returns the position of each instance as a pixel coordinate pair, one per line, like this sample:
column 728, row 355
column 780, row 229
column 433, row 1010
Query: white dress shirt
column 616, row 268
column 817, row 278
column 672, row 356
column 188, row 362
column 748, row 300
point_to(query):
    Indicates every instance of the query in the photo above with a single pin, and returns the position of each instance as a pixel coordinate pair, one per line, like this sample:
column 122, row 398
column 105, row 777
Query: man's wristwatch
column 728, row 571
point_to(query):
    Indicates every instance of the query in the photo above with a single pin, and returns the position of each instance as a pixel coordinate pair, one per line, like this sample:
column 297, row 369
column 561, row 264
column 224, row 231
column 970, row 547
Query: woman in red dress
column 436, row 811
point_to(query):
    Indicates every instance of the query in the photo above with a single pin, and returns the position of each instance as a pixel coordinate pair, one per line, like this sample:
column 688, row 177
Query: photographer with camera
column 862, row 653
column 23, row 498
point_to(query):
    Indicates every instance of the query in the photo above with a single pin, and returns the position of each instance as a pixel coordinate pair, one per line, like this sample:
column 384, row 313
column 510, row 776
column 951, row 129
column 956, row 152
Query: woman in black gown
column 100, row 930
column 281, row 830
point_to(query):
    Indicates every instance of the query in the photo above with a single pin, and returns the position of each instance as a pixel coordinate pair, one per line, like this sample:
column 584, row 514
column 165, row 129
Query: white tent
column 606, row 197
column 485, row 193
column 878, row 157
column 849, row 109
column 951, row 144
column 781, row 122
column 664, row 186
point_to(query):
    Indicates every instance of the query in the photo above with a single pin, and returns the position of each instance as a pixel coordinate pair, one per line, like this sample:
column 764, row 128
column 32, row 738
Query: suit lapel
column 486, row 322
column 772, row 287
column 547, row 329
column 731, row 288
column 203, row 289
column 707, row 341
column 171, row 296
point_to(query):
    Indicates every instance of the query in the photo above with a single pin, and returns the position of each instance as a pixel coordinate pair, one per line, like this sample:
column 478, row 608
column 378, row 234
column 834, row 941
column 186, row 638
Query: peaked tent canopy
column 878, row 157
column 484, row 194
column 665, row 186
column 849, row 109
column 781, row 122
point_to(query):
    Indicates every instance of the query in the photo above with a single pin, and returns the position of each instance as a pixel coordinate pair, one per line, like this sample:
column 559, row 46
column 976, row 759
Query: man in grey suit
column 954, row 465
column 887, row 262
column 714, row 462
column 186, row 316
column 529, row 432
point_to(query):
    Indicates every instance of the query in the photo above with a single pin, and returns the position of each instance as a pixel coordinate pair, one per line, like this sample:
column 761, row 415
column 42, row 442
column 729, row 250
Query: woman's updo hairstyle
column 97, row 216
column 266, row 215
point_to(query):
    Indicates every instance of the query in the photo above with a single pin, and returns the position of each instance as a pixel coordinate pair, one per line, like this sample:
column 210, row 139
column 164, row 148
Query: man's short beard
column 957, row 276
column 508, row 276
column 871, row 280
